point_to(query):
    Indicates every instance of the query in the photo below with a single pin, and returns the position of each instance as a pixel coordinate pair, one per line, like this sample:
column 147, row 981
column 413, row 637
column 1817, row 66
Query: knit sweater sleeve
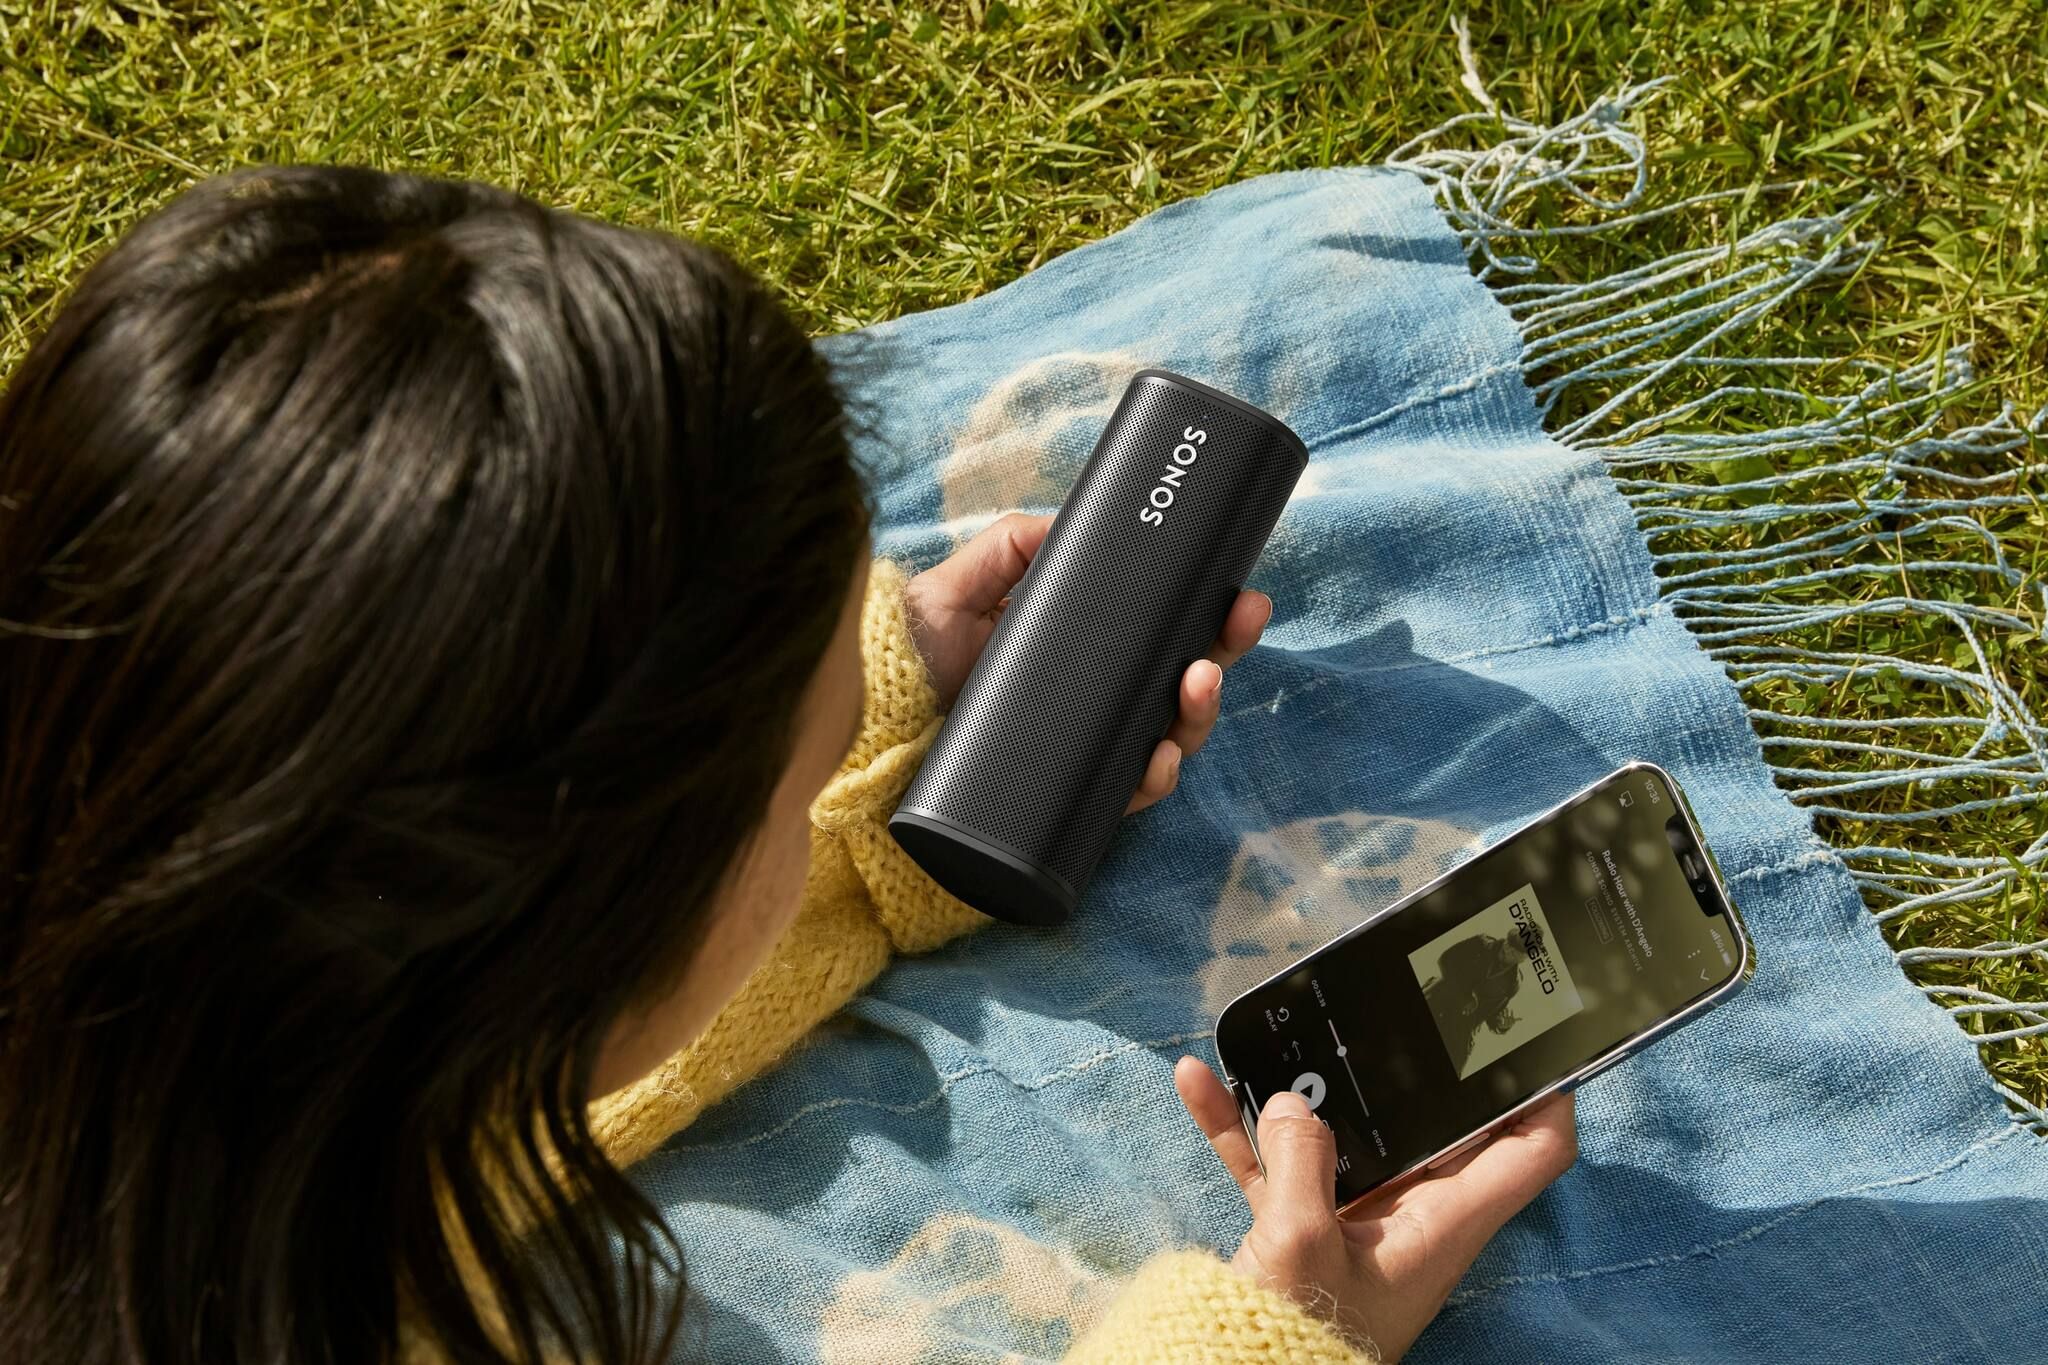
column 1187, row 1306
column 864, row 900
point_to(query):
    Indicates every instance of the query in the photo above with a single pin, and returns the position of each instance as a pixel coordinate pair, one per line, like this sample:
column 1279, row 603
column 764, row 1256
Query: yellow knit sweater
column 865, row 900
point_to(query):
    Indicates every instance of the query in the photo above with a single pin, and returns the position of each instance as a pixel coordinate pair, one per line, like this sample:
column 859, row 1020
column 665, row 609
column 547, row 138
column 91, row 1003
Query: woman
column 426, row 621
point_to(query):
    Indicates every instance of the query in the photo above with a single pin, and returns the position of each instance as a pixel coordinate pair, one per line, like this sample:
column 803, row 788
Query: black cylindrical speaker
column 1023, row 788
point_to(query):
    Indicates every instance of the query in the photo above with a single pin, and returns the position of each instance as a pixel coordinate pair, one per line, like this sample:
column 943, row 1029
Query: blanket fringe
column 1788, row 502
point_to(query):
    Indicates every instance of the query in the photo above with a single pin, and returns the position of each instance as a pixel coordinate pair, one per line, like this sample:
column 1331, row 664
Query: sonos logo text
column 1161, row 497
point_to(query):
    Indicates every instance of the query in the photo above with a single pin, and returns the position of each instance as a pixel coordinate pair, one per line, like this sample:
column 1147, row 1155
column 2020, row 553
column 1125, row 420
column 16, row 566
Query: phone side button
column 1249, row 1119
column 1467, row 1145
column 1605, row 1066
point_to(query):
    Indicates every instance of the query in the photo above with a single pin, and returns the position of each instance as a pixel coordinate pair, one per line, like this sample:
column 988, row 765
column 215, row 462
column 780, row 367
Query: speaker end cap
column 994, row 879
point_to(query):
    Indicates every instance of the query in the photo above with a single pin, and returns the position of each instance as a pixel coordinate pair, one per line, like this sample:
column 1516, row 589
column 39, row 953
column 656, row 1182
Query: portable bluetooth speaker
column 1023, row 788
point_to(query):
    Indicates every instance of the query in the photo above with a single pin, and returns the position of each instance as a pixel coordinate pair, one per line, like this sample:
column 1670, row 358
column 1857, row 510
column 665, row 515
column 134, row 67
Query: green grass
column 880, row 159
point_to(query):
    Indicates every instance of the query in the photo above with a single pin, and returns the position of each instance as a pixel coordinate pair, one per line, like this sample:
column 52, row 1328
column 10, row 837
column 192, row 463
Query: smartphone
column 1598, row 927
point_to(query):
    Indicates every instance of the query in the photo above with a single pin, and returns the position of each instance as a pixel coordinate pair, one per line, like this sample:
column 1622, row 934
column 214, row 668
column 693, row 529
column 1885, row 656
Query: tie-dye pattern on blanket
column 964, row 1163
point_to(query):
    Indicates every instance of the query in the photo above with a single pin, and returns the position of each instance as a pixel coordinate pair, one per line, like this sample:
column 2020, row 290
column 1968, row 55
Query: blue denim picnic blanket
column 963, row 1164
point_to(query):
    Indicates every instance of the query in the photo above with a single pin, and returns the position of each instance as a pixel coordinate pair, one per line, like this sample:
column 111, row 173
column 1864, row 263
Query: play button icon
column 1310, row 1087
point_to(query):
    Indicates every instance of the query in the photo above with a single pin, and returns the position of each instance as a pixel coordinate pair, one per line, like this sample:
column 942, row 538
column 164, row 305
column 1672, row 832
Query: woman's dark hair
column 406, row 593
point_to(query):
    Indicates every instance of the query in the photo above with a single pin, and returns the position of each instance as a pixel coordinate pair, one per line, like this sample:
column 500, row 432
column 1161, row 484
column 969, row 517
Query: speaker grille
column 1080, row 680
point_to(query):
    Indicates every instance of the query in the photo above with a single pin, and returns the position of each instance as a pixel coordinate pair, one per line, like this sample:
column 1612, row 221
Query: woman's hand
column 955, row 604
column 1381, row 1272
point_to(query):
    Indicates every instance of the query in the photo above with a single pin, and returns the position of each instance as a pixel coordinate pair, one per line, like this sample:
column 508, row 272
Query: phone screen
column 1544, row 952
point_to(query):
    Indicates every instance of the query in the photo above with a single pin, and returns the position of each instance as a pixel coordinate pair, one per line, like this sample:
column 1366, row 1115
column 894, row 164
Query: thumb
column 1300, row 1156
column 978, row 575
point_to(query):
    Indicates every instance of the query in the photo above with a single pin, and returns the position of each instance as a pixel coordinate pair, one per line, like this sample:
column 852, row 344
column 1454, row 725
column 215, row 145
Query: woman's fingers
column 977, row 576
column 1215, row 1113
column 1300, row 1156
column 954, row 605
column 1471, row 1198
column 1298, row 1181
column 1201, row 687
column 1201, row 701
column 1161, row 775
column 1201, row 698
column 1515, row 1166
column 1248, row 618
